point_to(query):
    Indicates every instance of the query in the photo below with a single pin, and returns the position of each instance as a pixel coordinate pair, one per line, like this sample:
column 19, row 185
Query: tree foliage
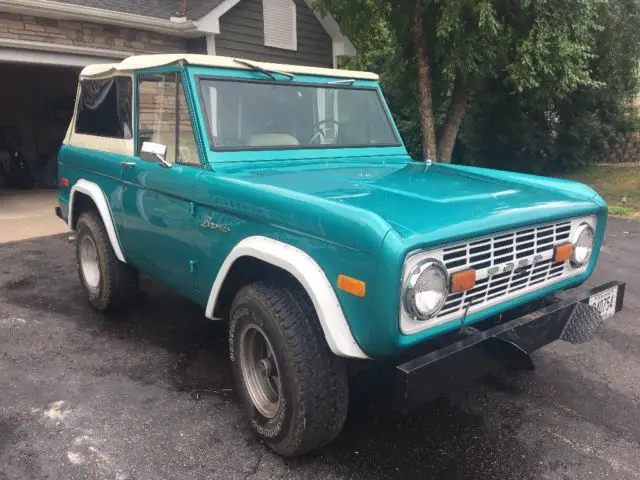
column 540, row 83
column 547, row 131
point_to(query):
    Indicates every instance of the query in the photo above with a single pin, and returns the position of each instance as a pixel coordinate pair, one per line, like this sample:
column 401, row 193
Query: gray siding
column 242, row 35
column 197, row 45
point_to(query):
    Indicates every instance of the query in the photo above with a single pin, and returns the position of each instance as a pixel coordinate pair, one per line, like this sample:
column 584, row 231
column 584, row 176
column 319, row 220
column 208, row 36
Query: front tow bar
column 510, row 344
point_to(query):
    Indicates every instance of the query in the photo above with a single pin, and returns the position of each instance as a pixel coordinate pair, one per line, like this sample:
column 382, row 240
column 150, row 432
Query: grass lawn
column 613, row 183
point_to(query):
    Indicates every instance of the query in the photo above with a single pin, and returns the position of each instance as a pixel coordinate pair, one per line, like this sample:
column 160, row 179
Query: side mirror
column 155, row 152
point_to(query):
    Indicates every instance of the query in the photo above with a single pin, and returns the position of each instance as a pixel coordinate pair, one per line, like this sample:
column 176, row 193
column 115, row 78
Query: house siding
column 85, row 34
column 242, row 35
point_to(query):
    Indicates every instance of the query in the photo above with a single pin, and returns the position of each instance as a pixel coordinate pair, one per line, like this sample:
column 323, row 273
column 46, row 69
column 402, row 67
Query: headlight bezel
column 412, row 278
column 579, row 231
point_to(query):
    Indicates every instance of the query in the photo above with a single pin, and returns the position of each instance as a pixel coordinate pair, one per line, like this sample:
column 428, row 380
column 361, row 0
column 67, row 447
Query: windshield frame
column 200, row 79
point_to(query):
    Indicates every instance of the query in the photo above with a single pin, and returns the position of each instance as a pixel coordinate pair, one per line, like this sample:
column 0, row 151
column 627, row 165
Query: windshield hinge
column 192, row 209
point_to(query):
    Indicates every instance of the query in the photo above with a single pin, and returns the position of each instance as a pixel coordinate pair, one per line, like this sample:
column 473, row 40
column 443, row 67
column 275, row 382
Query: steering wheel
column 318, row 131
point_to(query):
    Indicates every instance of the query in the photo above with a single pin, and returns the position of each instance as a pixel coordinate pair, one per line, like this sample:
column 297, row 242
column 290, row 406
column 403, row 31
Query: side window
column 163, row 117
column 104, row 109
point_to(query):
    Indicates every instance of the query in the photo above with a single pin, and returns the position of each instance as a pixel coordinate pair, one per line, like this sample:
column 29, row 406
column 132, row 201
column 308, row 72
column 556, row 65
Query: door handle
column 127, row 164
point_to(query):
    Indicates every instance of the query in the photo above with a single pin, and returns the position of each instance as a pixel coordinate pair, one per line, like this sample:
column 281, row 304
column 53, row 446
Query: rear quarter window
column 104, row 108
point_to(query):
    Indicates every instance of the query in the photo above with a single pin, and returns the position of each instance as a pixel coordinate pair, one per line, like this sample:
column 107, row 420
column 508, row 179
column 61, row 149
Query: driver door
column 158, row 212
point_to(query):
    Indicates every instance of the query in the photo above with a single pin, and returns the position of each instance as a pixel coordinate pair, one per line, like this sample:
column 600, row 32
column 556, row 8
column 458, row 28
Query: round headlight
column 426, row 289
column 582, row 245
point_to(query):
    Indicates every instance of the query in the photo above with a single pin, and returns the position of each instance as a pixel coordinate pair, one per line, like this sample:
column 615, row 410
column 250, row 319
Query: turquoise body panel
column 355, row 211
column 102, row 168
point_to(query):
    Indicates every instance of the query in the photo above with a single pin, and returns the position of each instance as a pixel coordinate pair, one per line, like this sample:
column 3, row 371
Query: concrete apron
column 28, row 214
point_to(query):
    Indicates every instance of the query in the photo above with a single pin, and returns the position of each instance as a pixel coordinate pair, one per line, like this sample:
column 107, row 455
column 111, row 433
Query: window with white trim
column 280, row 24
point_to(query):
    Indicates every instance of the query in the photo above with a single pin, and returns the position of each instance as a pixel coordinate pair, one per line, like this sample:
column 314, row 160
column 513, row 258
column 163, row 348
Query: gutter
column 65, row 11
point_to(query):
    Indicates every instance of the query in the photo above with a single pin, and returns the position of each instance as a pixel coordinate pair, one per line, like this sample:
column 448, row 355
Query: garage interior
column 37, row 104
column 36, row 107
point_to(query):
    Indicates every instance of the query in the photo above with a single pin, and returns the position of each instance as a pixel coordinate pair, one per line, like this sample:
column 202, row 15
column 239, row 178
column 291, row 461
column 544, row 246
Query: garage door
column 20, row 51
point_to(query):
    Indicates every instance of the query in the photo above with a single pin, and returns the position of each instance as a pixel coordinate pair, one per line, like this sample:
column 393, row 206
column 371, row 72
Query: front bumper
column 506, row 345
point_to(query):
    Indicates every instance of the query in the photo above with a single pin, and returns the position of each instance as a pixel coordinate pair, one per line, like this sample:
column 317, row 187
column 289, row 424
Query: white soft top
column 138, row 62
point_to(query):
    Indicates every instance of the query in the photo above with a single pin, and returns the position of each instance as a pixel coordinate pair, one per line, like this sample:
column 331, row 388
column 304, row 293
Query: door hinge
column 192, row 266
column 192, row 209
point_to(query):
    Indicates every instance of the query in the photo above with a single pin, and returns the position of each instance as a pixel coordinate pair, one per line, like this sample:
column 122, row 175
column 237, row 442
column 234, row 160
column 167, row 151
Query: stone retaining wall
column 625, row 150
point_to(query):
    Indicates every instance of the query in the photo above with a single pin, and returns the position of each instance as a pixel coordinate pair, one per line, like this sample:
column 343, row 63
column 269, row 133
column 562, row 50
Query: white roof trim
column 52, row 9
column 342, row 46
column 139, row 62
column 210, row 23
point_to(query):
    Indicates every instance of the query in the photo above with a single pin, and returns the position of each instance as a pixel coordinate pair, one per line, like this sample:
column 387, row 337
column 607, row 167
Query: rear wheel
column 109, row 283
column 293, row 387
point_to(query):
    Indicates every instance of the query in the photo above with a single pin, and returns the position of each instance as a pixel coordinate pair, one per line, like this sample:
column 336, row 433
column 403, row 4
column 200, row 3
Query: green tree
column 448, row 51
column 543, row 132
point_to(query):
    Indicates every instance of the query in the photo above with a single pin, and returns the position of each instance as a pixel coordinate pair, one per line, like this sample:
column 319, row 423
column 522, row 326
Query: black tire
column 312, row 380
column 117, row 282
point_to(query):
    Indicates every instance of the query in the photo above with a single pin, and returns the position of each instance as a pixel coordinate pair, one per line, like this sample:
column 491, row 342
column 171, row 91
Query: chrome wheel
column 260, row 370
column 89, row 262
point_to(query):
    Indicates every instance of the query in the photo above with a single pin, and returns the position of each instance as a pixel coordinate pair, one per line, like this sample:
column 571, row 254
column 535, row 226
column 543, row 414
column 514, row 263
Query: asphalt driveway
column 147, row 395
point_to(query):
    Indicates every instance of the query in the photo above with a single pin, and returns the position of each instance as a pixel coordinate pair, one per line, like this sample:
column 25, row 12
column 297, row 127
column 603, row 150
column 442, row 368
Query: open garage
column 37, row 104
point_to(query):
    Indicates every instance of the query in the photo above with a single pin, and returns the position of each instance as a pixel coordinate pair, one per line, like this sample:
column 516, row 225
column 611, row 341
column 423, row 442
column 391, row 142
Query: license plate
column 605, row 302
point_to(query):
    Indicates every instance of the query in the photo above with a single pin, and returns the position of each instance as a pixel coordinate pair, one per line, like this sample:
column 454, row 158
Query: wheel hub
column 265, row 367
column 89, row 262
column 260, row 371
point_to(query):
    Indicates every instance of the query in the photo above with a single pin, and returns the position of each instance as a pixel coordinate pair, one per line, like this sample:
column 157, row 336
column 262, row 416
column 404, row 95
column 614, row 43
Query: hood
column 428, row 201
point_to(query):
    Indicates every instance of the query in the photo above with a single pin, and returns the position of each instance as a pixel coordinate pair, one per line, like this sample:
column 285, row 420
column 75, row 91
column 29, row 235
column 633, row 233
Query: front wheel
column 293, row 388
column 109, row 283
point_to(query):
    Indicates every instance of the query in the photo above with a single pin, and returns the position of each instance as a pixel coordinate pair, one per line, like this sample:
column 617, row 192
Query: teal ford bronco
column 282, row 200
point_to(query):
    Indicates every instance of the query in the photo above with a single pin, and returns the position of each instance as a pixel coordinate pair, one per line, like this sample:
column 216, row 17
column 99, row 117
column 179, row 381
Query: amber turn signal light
column 562, row 253
column 352, row 286
column 463, row 281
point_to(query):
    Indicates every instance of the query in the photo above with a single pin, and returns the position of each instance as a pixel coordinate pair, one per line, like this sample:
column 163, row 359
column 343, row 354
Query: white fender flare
column 304, row 269
column 97, row 195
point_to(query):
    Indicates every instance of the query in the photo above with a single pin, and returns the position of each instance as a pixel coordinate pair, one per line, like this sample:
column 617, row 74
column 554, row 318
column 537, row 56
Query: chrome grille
column 505, row 248
column 498, row 251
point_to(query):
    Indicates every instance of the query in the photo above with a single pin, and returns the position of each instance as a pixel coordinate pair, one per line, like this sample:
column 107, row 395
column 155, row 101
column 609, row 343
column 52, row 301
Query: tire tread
column 320, row 379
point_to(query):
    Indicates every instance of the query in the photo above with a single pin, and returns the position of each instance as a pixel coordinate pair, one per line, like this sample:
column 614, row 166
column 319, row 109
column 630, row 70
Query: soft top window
column 104, row 109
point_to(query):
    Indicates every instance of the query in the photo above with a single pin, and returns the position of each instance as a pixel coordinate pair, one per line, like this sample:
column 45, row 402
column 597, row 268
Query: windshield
column 258, row 114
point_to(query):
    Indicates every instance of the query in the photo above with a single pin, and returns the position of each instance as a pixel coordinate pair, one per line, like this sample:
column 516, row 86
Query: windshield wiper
column 269, row 73
column 338, row 82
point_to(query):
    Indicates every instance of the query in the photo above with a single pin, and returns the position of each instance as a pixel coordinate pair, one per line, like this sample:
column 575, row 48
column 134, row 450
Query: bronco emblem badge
column 208, row 223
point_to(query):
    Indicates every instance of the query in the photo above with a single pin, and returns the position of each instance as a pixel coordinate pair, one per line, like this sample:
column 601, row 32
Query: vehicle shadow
column 448, row 438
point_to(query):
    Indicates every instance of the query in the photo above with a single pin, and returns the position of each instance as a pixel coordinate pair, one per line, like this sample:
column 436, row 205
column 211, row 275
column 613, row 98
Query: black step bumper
column 509, row 344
